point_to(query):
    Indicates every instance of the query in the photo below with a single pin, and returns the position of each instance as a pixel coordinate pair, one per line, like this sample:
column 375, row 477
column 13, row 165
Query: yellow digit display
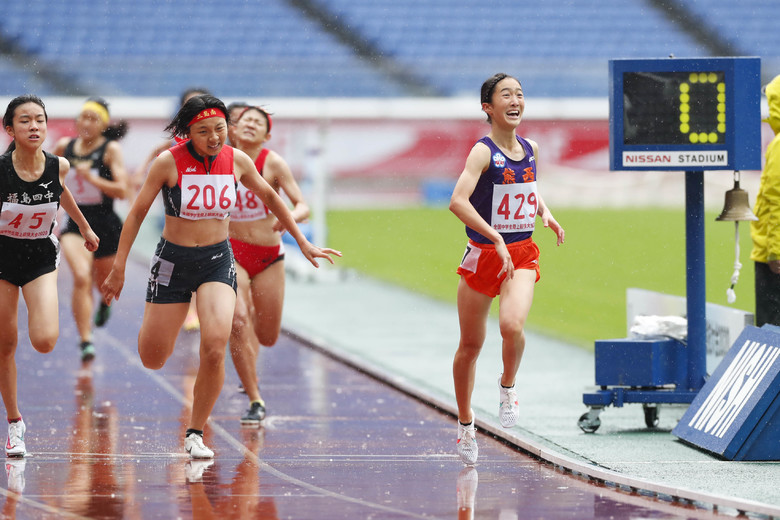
column 674, row 108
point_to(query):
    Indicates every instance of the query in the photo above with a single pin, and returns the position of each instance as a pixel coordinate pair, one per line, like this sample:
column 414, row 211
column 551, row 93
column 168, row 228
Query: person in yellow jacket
column 766, row 230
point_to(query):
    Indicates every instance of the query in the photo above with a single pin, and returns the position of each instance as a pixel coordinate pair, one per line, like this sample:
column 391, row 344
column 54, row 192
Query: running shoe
column 102, row 314
column 14, row 447
column 14, row 470
column 193, row 443
column 87, row 351
column 508, row 408
column 468, row 479
column 467, row 443
column 254, row 414
column 195, row 468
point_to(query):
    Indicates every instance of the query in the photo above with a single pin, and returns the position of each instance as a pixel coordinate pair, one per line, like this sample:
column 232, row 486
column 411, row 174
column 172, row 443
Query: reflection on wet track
column 106, row 441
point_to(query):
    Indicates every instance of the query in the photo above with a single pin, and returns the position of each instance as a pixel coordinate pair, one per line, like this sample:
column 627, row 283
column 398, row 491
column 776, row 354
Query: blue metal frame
column 743, row 144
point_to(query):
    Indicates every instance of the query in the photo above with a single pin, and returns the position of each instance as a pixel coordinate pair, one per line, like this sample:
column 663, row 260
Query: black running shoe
column 254, row 414
column 87, row 351
column 102, row 314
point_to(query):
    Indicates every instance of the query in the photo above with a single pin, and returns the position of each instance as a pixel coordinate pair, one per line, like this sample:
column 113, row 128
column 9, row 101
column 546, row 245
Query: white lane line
column 134, row 360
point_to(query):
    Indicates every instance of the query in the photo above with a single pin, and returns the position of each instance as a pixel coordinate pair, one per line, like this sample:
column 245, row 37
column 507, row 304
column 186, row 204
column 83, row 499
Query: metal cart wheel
column 651, row 415
column 589, row 422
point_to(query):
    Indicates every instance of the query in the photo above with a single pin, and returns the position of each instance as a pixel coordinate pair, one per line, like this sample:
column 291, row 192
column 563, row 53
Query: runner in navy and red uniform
column 32, row 187
column 255, row 235
column 198, row 181
column 497, row 197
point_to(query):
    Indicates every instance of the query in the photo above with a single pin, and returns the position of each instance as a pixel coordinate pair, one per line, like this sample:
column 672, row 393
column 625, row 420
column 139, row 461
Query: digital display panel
column 685, row 114
column 674, row 107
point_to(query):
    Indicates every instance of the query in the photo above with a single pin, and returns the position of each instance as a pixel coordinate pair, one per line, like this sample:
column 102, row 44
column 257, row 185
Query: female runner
column 255, row 236
column 197, row 178
column 32, row 187
column 96, row 178
column 496, row 197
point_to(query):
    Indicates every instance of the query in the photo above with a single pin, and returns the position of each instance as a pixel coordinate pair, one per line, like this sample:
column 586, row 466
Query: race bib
column 514, row 207
column 207, row 196
column 470, row 258
column 27, row 221
column 160, row 271
column 248, row 206
column 84, row 192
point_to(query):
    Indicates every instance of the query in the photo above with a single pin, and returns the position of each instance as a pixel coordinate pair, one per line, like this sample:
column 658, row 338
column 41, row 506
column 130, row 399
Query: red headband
column 206, row 114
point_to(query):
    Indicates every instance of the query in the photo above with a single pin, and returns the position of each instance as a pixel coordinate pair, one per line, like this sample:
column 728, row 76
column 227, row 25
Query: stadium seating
column 275, row 48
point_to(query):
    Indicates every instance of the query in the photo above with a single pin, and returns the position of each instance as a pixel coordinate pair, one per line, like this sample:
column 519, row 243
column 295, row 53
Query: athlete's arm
column 159, row 174
column 247, row 174
column 68, row 203
column 476, row 164
column 280, row 175
column 543, row 211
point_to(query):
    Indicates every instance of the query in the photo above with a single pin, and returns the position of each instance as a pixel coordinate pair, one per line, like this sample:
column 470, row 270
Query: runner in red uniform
column 197, row 179
column 255, row 235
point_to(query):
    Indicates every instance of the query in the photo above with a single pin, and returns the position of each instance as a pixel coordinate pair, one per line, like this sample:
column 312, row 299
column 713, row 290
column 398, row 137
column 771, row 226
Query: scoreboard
column 689, row 114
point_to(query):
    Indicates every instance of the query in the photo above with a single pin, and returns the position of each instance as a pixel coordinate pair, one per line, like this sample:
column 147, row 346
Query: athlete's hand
column 507, row 266
column 550, row 222
column 774, row 266
column 91, row 240
column 112, row 285
column 312, row 252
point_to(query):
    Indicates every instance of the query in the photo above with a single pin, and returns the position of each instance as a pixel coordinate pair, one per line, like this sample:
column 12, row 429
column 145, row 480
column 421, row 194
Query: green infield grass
column 581, row 296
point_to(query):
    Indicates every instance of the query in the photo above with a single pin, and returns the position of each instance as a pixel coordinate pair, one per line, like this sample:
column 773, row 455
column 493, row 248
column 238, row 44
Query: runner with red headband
column 255, row 235
column 198, row 181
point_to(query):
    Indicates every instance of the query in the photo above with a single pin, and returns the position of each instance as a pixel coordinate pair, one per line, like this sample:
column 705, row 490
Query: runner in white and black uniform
column 31, row 191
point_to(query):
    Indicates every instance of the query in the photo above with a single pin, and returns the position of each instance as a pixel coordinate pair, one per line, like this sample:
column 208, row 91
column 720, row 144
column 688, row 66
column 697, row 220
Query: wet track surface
column 106, row 441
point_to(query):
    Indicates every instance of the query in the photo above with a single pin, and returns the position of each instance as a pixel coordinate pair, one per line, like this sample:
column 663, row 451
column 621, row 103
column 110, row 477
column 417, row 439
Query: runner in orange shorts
column 497, row 198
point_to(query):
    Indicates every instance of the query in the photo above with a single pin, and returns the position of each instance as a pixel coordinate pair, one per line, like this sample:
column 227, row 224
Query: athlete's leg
column 82, row 302
column 9, row 302
column 514, row 304
column 216, row 303
column 243, row 342
column 159, row 329
column 268, row 300
column 43, row 321
column 473, row 308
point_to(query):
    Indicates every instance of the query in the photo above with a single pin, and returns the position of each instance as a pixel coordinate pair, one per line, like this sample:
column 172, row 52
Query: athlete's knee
column 45, row 342
column 267, row 338
column 512, row 328
column 212, row 353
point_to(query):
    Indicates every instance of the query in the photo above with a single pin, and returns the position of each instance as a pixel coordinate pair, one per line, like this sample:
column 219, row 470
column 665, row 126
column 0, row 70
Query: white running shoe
column 14, row 447
column 508, row 408
column 467, row 487
column 467, row 443
column 193, row 443
column 195, row 468
column 14, row 470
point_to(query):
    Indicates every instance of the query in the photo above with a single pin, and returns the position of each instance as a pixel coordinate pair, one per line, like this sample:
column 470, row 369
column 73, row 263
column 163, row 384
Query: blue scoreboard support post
column 675, row 114
column 696, row 293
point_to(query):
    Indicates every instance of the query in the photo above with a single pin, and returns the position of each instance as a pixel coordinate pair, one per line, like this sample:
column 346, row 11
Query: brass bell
column 737, row 206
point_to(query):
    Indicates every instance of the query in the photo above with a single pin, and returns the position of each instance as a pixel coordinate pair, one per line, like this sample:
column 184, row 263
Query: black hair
column 190, row 91
column 237, row 104
column 113, row 132
column 489, row 87
column 264, row 112
column 8, row 117
column 180, row 125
